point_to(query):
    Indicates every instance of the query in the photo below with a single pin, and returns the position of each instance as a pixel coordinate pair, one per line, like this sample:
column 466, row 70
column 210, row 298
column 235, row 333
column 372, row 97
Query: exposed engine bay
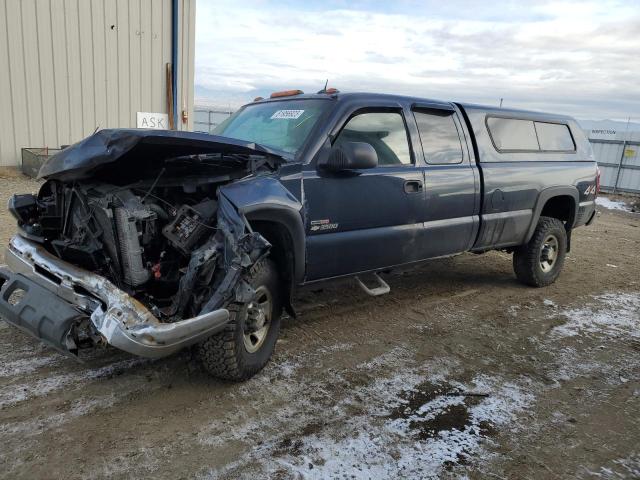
column 171, row 241
column 138, row 239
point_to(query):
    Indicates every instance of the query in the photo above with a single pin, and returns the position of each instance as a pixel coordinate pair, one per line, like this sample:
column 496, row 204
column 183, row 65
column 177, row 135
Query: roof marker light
column 329, row 91
column 286, row 93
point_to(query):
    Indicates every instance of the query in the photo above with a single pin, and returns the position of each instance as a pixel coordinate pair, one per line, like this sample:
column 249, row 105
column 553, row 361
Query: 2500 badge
column 322, row 225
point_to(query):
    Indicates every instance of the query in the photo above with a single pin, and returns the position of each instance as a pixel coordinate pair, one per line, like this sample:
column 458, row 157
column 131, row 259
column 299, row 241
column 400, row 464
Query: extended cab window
column 439, row 137
column 384, row 131
column 554, row 137
column 512, row 134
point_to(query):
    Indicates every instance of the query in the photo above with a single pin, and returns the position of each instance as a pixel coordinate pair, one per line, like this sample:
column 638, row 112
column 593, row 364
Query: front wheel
column 244, row 347
column 539, row 262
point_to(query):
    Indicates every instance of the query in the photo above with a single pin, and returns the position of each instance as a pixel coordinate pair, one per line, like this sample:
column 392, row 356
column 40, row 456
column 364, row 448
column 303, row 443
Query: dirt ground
column 459, row 372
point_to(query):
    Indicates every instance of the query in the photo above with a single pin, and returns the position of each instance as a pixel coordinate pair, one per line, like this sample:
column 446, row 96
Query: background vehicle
column 153, row 241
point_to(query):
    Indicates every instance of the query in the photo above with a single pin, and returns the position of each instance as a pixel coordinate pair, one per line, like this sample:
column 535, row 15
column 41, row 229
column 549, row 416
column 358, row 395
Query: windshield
column 283, row 125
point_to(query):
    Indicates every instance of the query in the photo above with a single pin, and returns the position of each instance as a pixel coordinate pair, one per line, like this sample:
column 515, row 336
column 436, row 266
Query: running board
column 381, row 289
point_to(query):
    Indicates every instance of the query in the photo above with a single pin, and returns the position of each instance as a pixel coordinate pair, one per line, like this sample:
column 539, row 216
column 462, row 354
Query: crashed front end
column 132, row 242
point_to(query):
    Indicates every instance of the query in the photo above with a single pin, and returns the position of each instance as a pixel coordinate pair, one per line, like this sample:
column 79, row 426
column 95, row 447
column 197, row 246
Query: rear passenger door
column 452, row 184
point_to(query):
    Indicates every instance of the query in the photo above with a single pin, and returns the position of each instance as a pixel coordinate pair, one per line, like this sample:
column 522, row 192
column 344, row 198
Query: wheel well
column 281, row 253
column 561, row 207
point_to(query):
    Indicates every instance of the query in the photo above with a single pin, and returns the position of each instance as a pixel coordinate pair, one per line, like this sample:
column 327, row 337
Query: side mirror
column 350, row 156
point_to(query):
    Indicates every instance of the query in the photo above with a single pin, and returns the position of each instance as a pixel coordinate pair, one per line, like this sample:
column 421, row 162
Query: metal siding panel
column 185, row 62
column 124, row 99
column 191, row 62
column 186, row 47
column 47, row 77
column 146, row 40
column 68, row 71
column 7, row 141
column 166, row 49
column 629, row 179
column 75, row 85
column 606, row 152
column 17, row 75
column 635, row 159
column 607, row 176
column 156, row 61
column 135, row 66
column 608, row 156
column 181, row 60
column 86, row 68
column 98, row 26
column 32, row 73
column 597, row 150
column 60, row 72
column 111, row 63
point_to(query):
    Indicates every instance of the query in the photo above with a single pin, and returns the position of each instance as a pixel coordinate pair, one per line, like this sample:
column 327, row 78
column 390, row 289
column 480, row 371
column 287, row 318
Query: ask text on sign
column 157, row 121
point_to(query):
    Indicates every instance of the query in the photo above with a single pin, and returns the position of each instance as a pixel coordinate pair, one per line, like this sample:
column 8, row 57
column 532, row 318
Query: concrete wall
column 68, row 67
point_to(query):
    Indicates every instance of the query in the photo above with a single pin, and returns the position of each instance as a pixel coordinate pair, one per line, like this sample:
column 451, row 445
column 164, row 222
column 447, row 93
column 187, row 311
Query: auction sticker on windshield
column 288, row 114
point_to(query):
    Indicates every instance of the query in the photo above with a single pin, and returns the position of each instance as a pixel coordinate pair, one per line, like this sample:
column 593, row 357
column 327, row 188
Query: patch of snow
column 12, row 393
column 571, row 364
column 79, row 407
column 27, row 365
column 336, row 347
column 140, row 462
column 612, row 204
column 628, row 467
column 513, row 310
column 607, row 318
column 614, row 314
column 364, row 432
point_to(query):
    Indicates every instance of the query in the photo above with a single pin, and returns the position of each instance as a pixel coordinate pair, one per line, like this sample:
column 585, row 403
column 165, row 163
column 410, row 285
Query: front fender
column 266, row 199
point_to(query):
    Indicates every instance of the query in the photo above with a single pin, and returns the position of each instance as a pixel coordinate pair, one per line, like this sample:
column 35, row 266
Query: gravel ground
column 459, row 372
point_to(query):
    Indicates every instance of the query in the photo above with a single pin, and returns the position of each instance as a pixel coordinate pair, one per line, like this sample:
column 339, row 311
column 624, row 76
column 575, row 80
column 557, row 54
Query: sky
column 576, row 58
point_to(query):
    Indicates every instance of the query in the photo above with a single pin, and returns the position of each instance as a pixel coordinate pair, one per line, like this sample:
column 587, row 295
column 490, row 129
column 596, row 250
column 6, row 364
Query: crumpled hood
column 111, row 145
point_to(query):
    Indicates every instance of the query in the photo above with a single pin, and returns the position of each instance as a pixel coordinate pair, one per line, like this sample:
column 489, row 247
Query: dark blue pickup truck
column 152, row 241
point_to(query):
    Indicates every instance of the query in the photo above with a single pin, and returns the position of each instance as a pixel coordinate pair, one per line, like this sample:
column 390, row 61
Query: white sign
column 288, row 114
column 602, row 134
column 156, row 121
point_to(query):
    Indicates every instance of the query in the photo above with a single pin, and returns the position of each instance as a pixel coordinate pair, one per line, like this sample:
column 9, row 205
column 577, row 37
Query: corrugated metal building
column 68, row 67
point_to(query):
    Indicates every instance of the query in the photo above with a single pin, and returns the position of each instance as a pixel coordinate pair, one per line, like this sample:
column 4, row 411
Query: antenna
column 325, row 85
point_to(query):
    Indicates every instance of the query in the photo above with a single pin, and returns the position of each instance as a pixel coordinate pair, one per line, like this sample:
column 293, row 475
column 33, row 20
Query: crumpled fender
column 266, row 198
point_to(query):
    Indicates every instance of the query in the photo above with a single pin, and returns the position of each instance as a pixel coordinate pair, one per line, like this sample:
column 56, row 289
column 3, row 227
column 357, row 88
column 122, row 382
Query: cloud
column 566, row 57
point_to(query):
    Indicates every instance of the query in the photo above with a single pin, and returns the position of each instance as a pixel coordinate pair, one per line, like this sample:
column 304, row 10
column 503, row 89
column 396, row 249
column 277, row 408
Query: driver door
column 360, row 220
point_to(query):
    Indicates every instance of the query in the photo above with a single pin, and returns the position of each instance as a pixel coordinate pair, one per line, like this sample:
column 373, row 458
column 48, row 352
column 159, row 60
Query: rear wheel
column 244, row 347
column 539, row 262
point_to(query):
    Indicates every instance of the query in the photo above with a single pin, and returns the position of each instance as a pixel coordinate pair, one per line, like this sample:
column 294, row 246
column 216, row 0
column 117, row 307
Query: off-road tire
column 224, row 354
column 527, row 258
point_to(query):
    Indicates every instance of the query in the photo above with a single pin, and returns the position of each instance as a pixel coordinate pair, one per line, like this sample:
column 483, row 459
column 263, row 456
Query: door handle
column 413, row 186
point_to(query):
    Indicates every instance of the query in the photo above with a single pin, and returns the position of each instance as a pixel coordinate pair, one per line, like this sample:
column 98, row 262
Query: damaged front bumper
column 57, row 295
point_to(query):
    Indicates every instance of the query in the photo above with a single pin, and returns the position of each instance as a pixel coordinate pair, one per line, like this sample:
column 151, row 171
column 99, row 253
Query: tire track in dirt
column 362, row 385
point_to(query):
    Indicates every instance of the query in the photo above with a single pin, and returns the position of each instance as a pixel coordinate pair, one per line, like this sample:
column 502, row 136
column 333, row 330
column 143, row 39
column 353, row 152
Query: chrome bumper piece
column 122, row 320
